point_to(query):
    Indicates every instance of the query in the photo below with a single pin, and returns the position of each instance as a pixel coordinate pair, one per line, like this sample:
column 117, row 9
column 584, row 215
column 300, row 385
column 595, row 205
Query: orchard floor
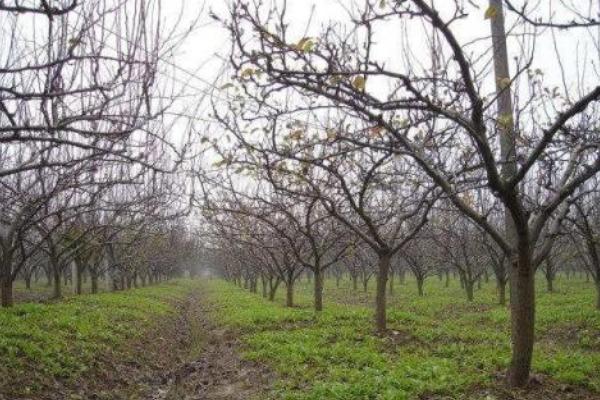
column 152, row 343
column 192, row 340
column 438, row 346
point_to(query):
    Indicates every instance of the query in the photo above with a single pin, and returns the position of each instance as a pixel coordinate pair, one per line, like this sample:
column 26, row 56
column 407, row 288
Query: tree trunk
column 6, row 287
column 318, row 289
column 549, row 283
column 522, row 294
column 380, row 296
column 598, row 294
column 78, row 279
column 447, row 284
column 289, row 295
column 28, row 282
column 501, row 292
column 469, row 289
column 57, row 293
column 264, row 287
column 94, row 279
column 272, row 289
column 354, row 282
column 420, row 282
column 391, row 282
column 48, row 277
column 522, row 276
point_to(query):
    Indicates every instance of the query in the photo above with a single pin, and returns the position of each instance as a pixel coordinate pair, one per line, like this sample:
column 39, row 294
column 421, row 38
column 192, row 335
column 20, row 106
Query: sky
column 201, row 60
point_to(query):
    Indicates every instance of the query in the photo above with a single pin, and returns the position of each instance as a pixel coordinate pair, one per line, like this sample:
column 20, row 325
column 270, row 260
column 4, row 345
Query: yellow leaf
column 491, row 12
column 505, row 121
column 359, row 83
column 305, row 44
column 247, row 73
column 296, row 135
column 331, row 134
column 504, row 83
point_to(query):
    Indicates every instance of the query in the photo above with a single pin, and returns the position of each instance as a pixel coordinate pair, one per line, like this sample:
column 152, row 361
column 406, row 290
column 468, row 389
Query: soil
column 186, row 357
column 540, row 387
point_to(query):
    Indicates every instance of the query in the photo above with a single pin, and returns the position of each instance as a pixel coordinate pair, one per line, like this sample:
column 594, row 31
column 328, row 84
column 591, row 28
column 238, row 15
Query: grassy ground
column 40, row 343
column 440, row 346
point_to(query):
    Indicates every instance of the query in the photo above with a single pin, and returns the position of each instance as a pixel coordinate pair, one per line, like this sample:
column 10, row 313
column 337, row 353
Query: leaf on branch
column 359, row 83
column 503, row 83
column 247, row 73
column 305, row 45
column 491, row 12
column 400, row 123
column 335, row 79
column 505, row 121
column 331, row 134
column 220, row 163
column 296, row 135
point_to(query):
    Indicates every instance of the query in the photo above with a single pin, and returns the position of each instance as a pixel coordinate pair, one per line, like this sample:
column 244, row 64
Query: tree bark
column 522, row 276
column 420, row 282
column 289, row 295
column 469, row 289
column 78, row 279
column 522, row 294
column 501, row 292
column 380, row 295
column 549, row 284
column 57, row 292
column 447, row 284
column 273, row 289
column 94, row 279
column 318, row 289
column 598, row 294
column 6, row 287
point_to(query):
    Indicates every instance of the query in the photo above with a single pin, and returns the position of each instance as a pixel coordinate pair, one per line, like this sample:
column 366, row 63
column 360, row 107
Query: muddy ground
column 186, row 357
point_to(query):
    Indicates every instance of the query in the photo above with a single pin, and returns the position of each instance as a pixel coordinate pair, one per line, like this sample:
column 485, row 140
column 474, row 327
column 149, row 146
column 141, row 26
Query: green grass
column 60, row 340
column 441, row 344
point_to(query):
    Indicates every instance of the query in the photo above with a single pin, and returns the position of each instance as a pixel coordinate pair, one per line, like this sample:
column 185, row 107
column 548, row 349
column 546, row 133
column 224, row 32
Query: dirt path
column 186, row 357
column 214, row 369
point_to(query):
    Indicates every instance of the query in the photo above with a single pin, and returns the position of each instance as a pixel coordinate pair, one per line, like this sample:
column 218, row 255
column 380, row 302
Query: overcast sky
column 203, row 55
